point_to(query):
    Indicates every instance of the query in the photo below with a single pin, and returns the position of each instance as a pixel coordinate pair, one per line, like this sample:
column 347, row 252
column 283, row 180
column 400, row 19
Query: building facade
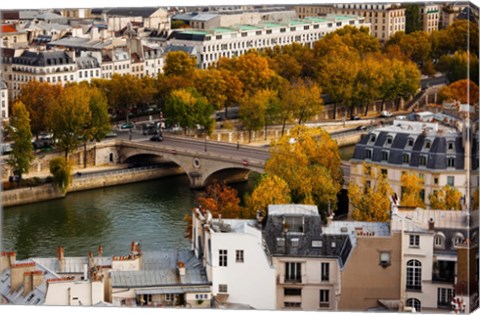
column 385, row 19
column 4, row 100
column 231, row 42
column 436, row 152
column 430, row 17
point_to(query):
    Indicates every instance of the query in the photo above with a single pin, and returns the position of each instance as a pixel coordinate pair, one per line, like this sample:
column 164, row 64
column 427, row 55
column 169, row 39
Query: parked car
column 111, row 135
column 355, row 117
column 129, row 125
column 361, row 128
column 385, row 113
column 156, row 137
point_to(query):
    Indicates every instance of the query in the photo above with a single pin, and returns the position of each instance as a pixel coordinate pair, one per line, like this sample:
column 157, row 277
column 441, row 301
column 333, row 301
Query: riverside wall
column 22, row 196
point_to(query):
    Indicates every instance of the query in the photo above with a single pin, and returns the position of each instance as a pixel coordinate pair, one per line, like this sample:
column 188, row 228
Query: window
column 450, row 162
column 428, row 144
column 292, row 292
column 222, row 258
column 450, row 145
column 293, row 272
column 389, row 140
column 239, row 256
column 435, row 180
column 451, row 181
column 415, row 303
column 406, row 158
column 414, row 275
column 444, row 297
column 201, row 296
column 294, row 224
column 324, row 298
column 373, row 138
column 169, row 297
column 384, row 172
column 222, row 288
column 422, row 160
column 292, row 304
column 325, row 268
column 368, row 154
column 457, row 239
column 384, row 155
column 439, row 240
column 415, row 240
column 384, row 259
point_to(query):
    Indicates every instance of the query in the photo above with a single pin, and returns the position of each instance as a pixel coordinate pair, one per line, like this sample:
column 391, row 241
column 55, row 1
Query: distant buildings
column 430, row 16
column 433, row 146
column 384, row 19
column 213, row 44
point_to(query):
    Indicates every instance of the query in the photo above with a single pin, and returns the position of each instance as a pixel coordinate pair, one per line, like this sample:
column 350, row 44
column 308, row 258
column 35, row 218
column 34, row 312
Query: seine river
column 150, row 212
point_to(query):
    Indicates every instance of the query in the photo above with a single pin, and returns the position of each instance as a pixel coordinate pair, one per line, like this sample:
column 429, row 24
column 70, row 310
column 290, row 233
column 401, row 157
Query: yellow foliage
column 447, row 198
column 412, row 185
column 271, row 190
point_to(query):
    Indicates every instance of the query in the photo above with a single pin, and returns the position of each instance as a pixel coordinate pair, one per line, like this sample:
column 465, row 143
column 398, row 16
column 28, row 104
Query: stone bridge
column 201, row 161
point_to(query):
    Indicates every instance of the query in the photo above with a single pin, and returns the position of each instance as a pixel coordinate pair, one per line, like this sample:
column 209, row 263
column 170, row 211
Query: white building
column 230, row 42
column 236, row 261
column 434, row 243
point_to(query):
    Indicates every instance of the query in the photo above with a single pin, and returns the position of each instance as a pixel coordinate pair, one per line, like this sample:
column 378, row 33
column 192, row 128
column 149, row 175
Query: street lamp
column 205, row 142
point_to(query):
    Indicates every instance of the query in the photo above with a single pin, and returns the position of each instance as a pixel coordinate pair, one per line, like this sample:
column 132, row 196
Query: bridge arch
column 201, row 168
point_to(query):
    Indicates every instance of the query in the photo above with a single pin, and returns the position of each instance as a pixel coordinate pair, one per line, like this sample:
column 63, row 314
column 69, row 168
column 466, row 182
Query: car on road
column 355, row 117
column 385, row 113
column 111, row 135
column 129, row 125
column 156, row 137
column 361, row 128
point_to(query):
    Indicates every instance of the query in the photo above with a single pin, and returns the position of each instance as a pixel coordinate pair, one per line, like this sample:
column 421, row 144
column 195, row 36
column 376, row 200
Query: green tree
column 188, row 109
column 21, row 135
column 447, row 198
column 461, row 65
column 370, row 199
column 68, row 117
column 61, row 170
column 412, row 18
column 412, row 185
column 253, row 109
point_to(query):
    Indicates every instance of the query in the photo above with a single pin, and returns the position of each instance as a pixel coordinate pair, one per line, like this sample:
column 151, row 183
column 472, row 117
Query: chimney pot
column 431, row 224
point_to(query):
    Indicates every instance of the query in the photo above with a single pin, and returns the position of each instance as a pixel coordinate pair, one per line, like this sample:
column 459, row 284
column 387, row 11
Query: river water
column 150, row 212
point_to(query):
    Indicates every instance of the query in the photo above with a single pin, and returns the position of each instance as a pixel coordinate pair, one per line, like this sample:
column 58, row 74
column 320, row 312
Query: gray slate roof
column 310, row 242
column 47, row 58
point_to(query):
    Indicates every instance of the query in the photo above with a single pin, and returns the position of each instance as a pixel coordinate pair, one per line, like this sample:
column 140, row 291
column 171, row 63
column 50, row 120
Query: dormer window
column 439, row 240
column 410, row 142
column 384, row 155
column 389, row 140
column 368, row 154
column 457, row 239
column 293, row 224
column 406, row 158
column 428, row 144
column 450, row 161
column 373, row 137
column 422, row 160
column 450, row 145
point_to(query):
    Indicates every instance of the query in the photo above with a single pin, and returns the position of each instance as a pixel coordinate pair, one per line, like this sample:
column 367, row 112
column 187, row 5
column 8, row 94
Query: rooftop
column 293, row 209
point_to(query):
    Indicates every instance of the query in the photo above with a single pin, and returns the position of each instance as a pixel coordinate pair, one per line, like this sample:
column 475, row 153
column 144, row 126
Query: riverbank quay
column 89, row 178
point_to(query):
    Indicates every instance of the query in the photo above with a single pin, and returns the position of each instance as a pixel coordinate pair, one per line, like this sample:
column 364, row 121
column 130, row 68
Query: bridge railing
column 80, row 175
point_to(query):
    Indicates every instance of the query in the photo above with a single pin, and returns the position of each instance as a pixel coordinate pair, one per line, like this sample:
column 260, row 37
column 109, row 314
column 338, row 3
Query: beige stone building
column 304, row 11
column 385, row 19
column 430, row 17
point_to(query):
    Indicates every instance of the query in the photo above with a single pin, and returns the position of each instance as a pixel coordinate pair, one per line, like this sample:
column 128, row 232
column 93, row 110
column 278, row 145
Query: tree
column 447, row 198
column 68, row 117
column 179, row 63
column 38, row 97
column 61, row 170
column 251, row 69
column 371, row 198
column 188, row 109
column 308, row 161
column 465, row 91
column 308, row 101
column 412, row 186
column 271, row 190
column 221, row 200
column 21, row 136
column 99, row 125
column 253, row 109
column 412, row 18
column 461, row 65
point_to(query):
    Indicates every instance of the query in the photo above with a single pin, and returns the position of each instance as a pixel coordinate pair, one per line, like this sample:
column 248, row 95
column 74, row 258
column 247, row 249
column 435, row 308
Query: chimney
column 181, row 268
column 100, row 250
column 431, row 224
column 31, row 281
column 259, row 218
column 60, row 257
column 7, row 260
column 17, row 274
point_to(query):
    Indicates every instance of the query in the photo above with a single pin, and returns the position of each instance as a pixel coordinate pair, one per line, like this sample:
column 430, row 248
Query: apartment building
column 430, row 17
column 440, row 258
column 437, row 151
column 4, row 100
column 12, row 37
column 230, row 42
column 385, row 19
column 304, row 11
column 236, row 261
